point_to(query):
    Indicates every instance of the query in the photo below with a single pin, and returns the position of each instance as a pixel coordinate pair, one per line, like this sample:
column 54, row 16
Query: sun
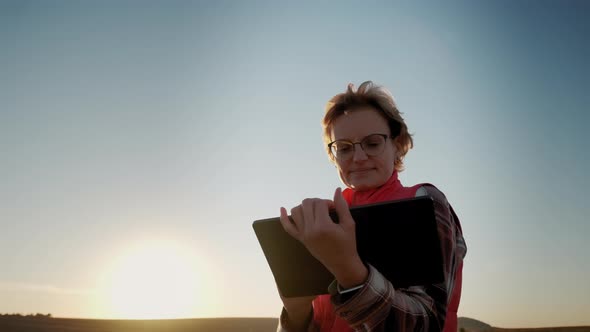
column 155, row 280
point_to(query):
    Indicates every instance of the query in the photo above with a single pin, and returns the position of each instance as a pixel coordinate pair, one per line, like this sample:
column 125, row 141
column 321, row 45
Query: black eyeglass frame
column 353, row 144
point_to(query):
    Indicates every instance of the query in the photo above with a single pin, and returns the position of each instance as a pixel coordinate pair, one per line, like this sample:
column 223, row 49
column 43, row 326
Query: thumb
column 341, row 207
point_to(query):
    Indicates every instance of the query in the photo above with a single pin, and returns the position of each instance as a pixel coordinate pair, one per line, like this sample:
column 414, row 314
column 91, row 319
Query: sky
column 139, row 141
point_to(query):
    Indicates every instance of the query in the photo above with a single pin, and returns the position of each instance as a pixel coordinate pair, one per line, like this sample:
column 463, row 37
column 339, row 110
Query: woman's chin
column 362, row 185
column 364, row 182
column 361, row 181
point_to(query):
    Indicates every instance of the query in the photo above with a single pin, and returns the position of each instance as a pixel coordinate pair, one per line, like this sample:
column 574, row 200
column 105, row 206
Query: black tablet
column 399, row 238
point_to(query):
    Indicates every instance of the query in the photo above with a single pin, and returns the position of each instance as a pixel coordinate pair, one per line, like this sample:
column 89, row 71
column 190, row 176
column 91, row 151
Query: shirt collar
column 354, row 197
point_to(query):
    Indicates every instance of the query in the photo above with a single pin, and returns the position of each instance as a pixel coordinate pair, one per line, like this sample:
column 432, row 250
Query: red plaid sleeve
column 380, row 307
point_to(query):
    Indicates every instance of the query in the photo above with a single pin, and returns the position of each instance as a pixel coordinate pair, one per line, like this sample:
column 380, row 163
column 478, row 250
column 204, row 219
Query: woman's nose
column 359, row 153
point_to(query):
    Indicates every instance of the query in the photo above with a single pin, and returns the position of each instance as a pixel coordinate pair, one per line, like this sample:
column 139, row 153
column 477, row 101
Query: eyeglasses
column 372, row 145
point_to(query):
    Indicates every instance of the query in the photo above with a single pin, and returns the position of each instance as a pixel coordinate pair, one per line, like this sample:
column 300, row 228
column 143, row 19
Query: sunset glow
column 154, row 281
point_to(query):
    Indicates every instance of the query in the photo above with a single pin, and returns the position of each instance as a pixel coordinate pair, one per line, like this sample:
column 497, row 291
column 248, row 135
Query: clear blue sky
column 134, row 126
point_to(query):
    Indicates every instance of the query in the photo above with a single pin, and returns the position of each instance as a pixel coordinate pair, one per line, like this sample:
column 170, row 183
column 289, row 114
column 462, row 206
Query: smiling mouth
column 362, row 170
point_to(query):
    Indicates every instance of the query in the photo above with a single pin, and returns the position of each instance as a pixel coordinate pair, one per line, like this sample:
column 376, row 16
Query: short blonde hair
column 377, row 98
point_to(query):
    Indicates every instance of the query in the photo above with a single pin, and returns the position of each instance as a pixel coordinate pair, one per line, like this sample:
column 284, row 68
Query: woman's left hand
column 333, row 244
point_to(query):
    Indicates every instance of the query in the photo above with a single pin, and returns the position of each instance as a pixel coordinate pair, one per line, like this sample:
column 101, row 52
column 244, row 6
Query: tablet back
column 399, row 238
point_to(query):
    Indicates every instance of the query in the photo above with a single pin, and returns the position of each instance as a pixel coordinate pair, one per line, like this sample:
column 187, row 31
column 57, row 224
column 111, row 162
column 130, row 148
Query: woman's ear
column 331, row 157
column 395, row 147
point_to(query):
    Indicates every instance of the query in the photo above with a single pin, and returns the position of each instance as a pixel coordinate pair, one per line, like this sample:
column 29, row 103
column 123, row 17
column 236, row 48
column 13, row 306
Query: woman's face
column 361, row 171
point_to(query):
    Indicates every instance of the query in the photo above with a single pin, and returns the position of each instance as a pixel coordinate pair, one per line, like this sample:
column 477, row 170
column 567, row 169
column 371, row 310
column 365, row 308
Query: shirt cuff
column 361, row 302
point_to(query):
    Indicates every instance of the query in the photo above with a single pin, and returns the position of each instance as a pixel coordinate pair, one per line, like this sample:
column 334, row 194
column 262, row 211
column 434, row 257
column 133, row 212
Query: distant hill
column 473, row 325
column 547, row 329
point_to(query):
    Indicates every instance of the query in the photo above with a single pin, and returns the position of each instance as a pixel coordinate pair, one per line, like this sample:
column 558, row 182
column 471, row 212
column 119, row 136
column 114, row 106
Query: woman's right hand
column 332, row 244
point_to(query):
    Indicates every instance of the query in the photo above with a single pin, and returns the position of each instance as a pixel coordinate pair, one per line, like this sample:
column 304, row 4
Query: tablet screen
column 399, row 238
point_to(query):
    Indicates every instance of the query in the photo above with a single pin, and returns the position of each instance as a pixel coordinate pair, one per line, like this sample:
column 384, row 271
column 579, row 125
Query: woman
column 367, row 139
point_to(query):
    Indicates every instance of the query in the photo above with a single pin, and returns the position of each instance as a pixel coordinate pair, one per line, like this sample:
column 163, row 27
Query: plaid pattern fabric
column 378, row 306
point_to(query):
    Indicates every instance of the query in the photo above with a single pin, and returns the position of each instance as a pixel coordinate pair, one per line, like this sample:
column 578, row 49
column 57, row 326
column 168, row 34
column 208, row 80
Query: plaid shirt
column 377, row 306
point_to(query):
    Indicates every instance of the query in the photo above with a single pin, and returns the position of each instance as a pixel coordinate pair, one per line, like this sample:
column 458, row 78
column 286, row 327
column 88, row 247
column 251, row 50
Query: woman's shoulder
column 441, row 203
column 427, row 189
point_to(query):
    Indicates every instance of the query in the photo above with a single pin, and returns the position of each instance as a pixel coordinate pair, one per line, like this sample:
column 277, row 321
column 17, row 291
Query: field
column 34, row 324
column 44, row 324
